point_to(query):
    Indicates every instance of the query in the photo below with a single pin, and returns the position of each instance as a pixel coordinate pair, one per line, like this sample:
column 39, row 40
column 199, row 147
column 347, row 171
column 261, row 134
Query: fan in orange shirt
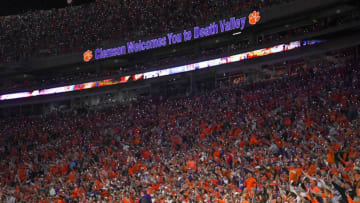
column 125, row 200
column 331, row 156
column 294, row 174
column 216, row 155
column 250, row 182
column 253, row 140
column 191, row 164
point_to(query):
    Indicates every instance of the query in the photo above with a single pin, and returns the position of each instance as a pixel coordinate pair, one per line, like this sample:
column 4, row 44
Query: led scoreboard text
column 197, row 32
column 170, row 39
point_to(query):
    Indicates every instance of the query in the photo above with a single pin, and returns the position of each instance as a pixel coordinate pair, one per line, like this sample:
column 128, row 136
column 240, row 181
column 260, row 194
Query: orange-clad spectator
column 253, row 140
column 216, row 155
column 294, row 174
column 250, row 182
column 125, row 200
column 331, row 156
column 191, row 164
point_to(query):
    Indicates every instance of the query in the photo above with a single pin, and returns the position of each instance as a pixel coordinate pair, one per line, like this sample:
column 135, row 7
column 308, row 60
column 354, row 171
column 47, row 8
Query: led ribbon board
column 197, row 32
column 164, row 72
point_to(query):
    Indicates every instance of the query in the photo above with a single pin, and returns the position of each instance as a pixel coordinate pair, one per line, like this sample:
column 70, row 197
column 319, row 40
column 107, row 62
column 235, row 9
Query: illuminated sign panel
column 197, row 32
column 164, row 72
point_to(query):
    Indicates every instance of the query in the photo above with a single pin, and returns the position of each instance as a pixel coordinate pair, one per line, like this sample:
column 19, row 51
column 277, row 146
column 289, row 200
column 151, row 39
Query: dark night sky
column 11, row 7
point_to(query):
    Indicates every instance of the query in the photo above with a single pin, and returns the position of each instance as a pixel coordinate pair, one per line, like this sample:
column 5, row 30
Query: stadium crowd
column 292, row 139
column 75, row 29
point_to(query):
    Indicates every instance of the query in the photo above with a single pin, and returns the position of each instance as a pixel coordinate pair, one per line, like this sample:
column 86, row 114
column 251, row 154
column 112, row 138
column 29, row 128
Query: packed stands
column 291, row 139
column 75, row 29
column 278, row 129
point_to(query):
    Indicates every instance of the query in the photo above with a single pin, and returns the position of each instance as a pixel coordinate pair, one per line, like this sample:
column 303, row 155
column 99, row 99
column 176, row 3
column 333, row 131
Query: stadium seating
column 292, row 139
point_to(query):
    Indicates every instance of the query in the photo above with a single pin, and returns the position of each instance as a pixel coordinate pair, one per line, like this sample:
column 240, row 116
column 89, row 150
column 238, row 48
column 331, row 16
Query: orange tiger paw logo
column 254, row 17
column 88, row 56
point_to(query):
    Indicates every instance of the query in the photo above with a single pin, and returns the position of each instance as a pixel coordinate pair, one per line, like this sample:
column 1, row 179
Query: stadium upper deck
column 74, row 29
